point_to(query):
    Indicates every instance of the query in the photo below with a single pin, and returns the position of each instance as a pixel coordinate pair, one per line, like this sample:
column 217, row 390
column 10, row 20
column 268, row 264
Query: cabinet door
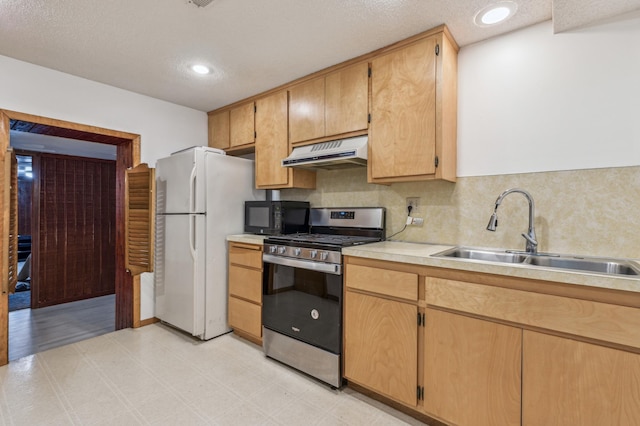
column 471, row 370
column 271, row 140
column 381, row 345
column 306, row 111
column 241, row 125
column 402, row 133
column 219, row 130
column 566, row 382
column 347, row 100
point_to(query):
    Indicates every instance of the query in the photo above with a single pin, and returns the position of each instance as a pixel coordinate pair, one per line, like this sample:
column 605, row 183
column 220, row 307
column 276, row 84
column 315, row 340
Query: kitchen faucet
column 530, row 236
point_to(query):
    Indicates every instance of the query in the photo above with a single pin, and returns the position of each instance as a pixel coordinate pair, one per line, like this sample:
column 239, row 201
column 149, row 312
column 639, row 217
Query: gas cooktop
column 323, row 239
column 332, row 229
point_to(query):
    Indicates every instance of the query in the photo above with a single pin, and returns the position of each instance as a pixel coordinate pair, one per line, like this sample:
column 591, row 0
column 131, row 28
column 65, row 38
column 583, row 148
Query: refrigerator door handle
column 192, row 190
column 192, row 237
column 192, row 249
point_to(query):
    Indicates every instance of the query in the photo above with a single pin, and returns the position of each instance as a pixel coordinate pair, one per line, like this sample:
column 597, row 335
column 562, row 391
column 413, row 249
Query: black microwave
column 276, row 217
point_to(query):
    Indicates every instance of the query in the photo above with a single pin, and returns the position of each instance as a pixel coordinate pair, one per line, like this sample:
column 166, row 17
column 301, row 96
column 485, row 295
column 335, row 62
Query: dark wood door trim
column 128, row 155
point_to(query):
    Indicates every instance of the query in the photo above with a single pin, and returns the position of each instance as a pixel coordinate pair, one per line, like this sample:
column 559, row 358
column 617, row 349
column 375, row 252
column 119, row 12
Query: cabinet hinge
column 437, row 161
column 419, row 319
column 437, row 49
column 419, row 393
column 369, row 70
column 424, row 320
column 255, row 135
column 369, row 118
column 255, row 108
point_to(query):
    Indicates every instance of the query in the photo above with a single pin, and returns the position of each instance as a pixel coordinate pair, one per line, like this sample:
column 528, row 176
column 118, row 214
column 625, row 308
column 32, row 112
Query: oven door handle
column 329, row 268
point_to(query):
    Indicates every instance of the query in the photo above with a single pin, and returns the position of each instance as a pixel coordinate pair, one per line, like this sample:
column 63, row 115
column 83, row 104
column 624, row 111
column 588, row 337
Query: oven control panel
column 317, row 255
column 342, row 214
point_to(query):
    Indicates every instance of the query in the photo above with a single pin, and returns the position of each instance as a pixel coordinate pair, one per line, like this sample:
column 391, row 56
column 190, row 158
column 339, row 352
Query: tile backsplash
column 593, row 212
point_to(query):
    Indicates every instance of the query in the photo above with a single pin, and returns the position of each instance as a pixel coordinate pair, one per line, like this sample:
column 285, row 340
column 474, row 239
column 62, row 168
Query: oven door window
column 303, row 304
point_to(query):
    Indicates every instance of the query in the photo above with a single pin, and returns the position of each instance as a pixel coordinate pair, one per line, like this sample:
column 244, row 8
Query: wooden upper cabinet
column 232, row 128
column 412, row 134
column 347, row 100
column 272, row 146
column 241, row 125
column 219, row 130
column 306, row 110
column 330, row 105
column 271, row 140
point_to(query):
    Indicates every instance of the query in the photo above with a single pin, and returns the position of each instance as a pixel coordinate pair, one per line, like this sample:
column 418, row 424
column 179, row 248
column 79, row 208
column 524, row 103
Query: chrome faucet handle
column 532, row 243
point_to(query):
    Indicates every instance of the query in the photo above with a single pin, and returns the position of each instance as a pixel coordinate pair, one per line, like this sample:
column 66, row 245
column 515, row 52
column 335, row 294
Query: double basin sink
column 548, row 260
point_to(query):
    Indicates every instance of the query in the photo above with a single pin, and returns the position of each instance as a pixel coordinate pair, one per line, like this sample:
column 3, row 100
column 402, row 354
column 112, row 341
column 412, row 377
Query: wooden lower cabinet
column 381, row 350
column 245, row 317
column 491, row 350
column 567, row 382
column 471, row 370
column 245, row 290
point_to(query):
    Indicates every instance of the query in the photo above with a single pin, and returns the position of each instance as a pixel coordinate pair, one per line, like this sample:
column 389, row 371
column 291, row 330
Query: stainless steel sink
column 483, row 254
column 547, row 260
column 601, row 266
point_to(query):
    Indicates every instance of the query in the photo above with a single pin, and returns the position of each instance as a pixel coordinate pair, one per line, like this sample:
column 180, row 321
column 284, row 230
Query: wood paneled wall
column 25, row 195
column 75, row 228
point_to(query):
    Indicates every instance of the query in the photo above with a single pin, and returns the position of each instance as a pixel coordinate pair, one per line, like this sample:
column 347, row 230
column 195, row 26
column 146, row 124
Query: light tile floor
column 157, row 376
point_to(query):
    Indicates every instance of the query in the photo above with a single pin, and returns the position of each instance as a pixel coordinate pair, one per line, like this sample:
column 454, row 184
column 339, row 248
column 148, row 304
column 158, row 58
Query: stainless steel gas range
column 302, row 289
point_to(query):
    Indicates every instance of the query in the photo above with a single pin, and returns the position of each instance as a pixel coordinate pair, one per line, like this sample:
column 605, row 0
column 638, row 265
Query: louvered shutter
column 11, row 200
column 5, row 184
column 140, row 218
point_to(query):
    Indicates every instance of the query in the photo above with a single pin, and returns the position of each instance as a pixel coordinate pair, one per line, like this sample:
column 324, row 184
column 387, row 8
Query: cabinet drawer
column 403, row 285
column 245, row 316
column 246, row 255
column 245, row 283
column 594, row 320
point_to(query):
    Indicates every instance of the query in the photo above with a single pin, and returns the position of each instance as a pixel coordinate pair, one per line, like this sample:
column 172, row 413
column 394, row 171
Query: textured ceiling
column 147, row 46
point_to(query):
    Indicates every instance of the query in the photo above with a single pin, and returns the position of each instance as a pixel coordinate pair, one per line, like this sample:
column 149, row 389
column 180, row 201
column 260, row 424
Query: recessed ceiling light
column 200, row 69
column 495, row 13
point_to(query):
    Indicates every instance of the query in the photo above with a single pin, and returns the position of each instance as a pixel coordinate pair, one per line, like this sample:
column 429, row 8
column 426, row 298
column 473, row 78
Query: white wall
column 532, row 101
column 164, row 127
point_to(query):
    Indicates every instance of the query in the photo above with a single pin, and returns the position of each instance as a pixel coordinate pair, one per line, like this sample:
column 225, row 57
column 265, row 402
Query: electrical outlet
column 413, row 202
column 415, row 221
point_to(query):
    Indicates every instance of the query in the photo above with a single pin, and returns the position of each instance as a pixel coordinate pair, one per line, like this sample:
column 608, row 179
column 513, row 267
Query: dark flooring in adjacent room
column 36, row 330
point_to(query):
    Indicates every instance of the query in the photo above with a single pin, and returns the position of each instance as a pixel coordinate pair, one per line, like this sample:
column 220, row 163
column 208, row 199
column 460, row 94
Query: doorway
column 127, row 288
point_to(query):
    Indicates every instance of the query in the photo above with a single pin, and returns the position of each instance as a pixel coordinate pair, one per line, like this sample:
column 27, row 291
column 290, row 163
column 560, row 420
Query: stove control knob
column 272, row 249
column 281, row 250
column 296, row 252
column 313, row 253
column 324, row 255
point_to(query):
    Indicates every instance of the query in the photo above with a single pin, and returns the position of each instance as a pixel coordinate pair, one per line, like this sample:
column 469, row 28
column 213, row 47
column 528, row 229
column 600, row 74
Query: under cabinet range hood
column 338, row 154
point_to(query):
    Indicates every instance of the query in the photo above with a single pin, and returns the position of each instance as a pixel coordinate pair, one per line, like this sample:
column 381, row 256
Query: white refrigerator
column 200, row 195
